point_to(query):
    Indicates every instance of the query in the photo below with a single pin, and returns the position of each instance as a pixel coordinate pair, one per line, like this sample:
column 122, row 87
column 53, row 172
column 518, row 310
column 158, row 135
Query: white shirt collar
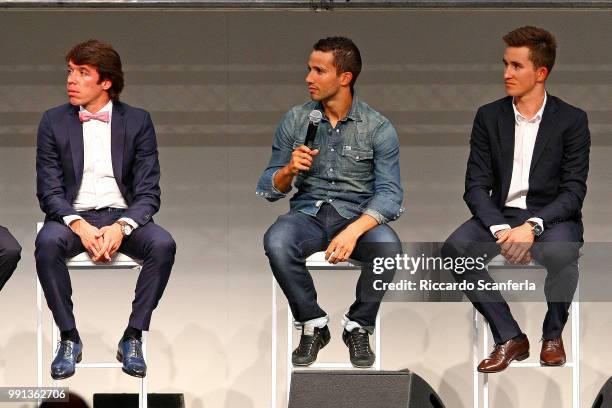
column 536, row 118
column 106, row 108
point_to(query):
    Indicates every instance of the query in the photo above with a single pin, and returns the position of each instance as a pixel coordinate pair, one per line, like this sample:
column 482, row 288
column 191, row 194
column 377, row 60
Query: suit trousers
column 557, row 249
column 295, row 236
column 10, row 254
column 149, row 242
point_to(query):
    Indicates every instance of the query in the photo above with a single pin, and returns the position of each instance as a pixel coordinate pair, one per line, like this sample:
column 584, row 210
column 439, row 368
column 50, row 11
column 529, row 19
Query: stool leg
column 39, row 329
column 274, row 345
column 39, row 336
column 485, row 376
column 54, row 341
column 143, row 397
column 378, row 363
column 475, row 353
column 289, row 349
column 576, row 353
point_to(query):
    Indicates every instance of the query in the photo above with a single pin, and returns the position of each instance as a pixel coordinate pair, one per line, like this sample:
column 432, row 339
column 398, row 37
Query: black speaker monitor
column 131, row 401
column 361, row 389
column 604, row 398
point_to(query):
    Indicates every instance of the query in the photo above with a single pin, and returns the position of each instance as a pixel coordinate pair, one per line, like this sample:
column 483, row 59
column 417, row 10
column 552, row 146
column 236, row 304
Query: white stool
column 314, row 262
column 499, row 262
column 83, row 261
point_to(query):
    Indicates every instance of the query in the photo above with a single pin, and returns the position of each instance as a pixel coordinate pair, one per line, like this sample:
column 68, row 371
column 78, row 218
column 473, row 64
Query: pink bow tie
column 101, row 116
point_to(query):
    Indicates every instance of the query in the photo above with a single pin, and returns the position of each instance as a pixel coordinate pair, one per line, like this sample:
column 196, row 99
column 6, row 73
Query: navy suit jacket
column 59, row 161
column 559, row 166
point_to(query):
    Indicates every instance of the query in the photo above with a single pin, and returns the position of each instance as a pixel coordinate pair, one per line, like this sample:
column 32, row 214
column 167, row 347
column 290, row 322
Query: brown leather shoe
column 553, row 353
column 503, row 354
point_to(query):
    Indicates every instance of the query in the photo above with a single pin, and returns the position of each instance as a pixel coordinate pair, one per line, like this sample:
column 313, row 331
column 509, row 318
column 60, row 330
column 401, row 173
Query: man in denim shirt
column 348, row 188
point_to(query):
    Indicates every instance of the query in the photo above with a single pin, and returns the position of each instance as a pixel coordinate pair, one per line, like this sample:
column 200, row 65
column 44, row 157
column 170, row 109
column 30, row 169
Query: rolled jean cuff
column 319, row 322
column 350, row 325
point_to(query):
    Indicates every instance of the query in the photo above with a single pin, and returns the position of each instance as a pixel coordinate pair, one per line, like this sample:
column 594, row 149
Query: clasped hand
column 515, row 243
column 100, row 243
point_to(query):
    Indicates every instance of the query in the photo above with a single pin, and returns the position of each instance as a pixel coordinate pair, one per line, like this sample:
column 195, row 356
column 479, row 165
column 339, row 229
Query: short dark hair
column 346, row 55
column 104, row 58
column 541, row 43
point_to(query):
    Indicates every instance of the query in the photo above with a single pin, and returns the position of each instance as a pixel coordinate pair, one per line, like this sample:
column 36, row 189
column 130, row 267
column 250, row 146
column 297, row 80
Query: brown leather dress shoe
column 553, row 353
column 503, row 354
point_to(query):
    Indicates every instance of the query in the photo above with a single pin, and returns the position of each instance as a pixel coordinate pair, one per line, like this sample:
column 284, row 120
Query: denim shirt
column 357, row 169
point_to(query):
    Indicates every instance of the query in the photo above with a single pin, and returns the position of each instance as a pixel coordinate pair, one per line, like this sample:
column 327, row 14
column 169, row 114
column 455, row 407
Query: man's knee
column 381, row 234
column 11, row 252
column 452, row 248
column 556, row 255
column 377, row 244
column 277, row 242
column 49, row 241
column 470, row 239
column 164, row 246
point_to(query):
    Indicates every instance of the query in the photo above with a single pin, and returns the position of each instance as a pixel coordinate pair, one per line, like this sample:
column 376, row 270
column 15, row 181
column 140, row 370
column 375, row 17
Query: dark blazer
column 59, row 161
column 559, row 166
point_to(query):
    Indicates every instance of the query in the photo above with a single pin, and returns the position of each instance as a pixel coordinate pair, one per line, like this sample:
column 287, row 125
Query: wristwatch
column 126, row 228
column 535, row 228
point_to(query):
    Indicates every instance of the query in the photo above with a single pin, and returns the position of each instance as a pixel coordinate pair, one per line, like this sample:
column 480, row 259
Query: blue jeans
column 295, row 236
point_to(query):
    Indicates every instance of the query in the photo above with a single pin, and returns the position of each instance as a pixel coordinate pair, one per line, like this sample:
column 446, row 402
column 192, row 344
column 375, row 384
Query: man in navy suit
column 10, row 254
column 98, row 184
column 525, row 183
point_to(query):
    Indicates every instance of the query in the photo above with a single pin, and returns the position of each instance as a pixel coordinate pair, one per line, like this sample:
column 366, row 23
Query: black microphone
column 315, row 117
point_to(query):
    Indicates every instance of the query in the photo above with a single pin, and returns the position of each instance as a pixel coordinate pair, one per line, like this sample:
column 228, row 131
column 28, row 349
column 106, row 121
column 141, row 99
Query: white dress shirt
column 525, row 133
column 98, row 186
